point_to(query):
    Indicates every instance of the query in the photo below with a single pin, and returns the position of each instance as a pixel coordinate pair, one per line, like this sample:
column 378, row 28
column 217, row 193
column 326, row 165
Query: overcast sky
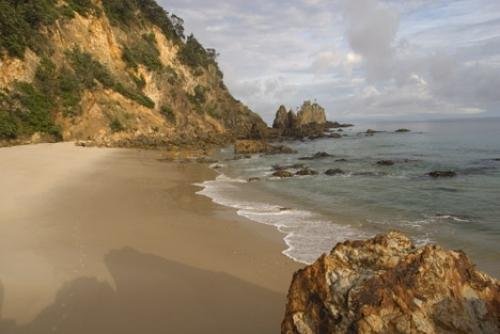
column 402, row 59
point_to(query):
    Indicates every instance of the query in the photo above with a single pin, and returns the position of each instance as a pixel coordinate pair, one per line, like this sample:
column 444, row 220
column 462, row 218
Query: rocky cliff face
column 114, row 72
column 387, row 285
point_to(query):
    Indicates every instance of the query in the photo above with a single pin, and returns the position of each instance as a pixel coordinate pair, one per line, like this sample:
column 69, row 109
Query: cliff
column 116, row 72
column 387, row 285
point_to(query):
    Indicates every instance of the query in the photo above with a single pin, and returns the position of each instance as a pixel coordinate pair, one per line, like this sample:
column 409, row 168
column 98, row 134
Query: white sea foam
column 307, row 234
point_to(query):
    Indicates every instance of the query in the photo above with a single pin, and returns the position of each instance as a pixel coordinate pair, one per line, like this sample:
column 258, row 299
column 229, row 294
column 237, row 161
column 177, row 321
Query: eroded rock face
column 387, row 285
column 311, row 113
column 310, row 121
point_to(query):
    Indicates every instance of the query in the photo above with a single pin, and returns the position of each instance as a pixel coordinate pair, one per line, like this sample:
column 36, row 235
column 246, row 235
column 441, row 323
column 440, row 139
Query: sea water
column 316, row 212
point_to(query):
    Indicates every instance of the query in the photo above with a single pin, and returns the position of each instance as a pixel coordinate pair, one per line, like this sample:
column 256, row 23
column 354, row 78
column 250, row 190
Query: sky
column 360, row 59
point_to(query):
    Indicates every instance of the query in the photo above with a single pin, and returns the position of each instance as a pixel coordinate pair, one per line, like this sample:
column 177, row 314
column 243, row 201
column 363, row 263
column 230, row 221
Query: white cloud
column 396, row 58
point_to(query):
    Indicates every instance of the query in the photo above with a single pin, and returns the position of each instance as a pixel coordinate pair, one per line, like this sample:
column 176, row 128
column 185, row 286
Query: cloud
column 359, row 58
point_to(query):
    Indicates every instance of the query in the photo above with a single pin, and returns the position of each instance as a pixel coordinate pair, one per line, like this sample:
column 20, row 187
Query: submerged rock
column 387, row 285
column 294, row 166
column 385, row 163
column 306, row 171
column 282, row 174
column 334, row 135
column 246, row 147
column 319, row 155
column 441, row 173
column 253, row 179
column 336, row 171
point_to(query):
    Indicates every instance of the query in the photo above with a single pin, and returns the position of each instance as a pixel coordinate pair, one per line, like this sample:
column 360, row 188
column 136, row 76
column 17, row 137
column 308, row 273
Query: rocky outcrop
column 116, row 75
column 334, row 171
column 309, row 122
column 387, row 285
column 311, row 113
column 282, row 174
column 260, row 146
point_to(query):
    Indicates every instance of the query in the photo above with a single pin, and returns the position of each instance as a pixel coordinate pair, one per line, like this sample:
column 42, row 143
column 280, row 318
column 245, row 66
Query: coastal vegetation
column 55, row 74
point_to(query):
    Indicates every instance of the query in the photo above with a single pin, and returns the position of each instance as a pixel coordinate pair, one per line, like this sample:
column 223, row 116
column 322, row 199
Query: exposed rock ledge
column 387, row 285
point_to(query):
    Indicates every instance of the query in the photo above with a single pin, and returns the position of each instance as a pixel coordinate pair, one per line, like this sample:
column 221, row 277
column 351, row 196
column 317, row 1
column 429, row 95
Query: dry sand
column 115, row 241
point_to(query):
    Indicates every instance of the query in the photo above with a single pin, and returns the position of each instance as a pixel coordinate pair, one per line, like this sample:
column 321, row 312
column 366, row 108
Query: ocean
column 316, row 212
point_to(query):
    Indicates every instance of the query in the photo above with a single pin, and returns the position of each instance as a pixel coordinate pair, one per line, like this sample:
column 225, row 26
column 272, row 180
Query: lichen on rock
column 387, row 285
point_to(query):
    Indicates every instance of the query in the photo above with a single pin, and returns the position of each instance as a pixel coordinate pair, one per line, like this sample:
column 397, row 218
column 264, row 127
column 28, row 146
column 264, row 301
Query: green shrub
column 120, row 11
column 8, row 126
column 116, row 125
column 139, row 81
column 89, row 70
column 168, row 113
column 193, row 54
column 134, row 96
column 20, row 22
column 37, row 117
column 83, row 7
column 143, row 52
column 69, row 92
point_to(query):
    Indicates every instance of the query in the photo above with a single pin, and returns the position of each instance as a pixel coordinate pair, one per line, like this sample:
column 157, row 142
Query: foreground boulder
column 387, row 285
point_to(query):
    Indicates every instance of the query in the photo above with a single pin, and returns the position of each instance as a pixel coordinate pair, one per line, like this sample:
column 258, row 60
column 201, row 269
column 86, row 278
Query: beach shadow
column 154, row 295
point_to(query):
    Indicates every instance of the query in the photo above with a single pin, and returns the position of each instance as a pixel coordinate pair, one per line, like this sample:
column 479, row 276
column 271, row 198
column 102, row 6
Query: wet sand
column 116, row 241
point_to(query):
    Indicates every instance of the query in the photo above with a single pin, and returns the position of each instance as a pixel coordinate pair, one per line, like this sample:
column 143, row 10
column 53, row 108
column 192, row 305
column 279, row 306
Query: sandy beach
column 115, row 241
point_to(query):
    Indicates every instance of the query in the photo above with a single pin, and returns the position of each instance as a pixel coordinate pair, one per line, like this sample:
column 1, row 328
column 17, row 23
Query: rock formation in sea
column 260, row 146
column 115, row 73
column 310, row 121
column 388, row 285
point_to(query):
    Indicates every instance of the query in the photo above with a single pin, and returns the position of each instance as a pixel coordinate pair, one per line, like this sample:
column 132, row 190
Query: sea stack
column 310, row 121
column 387, row 285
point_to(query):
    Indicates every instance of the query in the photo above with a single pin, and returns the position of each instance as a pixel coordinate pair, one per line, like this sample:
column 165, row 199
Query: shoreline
column 104, row 237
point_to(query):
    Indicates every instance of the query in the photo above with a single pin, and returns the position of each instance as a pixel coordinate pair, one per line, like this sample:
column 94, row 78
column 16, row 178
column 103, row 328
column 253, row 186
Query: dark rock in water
column 402, row 130
column 282, row 174
column 334, row 135
column 254, row 179
column 294, row 166
column 280, row 149
column 336, row 125
column 246, row 147
column 341, row 160
column 336, row 171
column 242, row 157
column 385, row 163
column 319, row 155
column 369, row 174
column 496, row 159
column 206, row 160
column 388, row 285
column 306, row 171
column 442, row 173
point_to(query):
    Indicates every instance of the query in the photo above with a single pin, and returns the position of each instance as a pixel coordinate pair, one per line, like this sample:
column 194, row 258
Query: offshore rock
column 260, row 146
column 309, row 122
column 387, row 285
